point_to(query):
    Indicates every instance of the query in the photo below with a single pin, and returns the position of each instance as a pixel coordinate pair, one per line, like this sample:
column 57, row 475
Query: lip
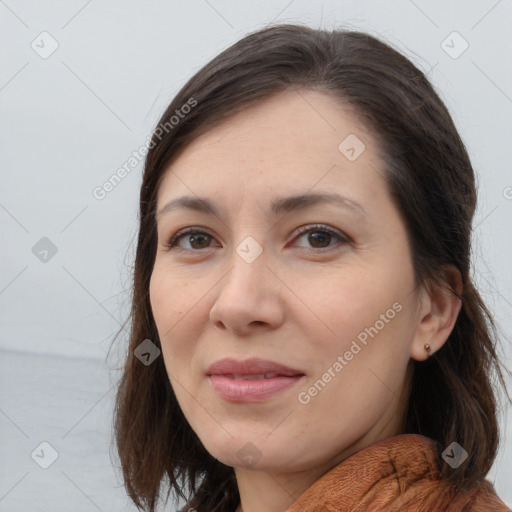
column 252, row 366
column 221, row 375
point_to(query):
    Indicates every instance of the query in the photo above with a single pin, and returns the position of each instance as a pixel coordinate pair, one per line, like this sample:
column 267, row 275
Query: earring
column 428, row 349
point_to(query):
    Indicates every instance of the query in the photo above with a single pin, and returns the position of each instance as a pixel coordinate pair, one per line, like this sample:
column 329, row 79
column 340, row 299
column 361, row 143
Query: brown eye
column 320, row 237
column 196, row 239
column 200, row 240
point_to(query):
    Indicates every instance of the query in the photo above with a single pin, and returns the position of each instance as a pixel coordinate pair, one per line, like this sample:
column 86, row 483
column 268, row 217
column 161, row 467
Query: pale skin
column 299, row 303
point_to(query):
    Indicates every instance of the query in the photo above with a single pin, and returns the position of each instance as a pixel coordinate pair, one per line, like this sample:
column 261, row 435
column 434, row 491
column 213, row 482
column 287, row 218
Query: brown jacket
column 398, row 474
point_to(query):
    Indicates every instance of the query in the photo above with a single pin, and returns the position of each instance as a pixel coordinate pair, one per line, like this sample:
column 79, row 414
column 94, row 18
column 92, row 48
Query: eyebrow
column 278, row 206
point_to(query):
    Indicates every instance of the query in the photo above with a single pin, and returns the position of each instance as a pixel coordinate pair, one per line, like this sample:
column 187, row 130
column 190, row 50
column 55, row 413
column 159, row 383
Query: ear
column 437, row 313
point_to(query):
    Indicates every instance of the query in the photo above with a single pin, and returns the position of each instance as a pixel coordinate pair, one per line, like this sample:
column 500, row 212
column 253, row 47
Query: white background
column 69, row 121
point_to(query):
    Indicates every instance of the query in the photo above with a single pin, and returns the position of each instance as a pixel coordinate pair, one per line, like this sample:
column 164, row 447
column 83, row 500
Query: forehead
column 293, row 120
column 293, row 142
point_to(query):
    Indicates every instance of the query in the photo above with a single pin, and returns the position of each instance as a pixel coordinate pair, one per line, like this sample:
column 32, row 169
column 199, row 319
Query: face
column 319, row 288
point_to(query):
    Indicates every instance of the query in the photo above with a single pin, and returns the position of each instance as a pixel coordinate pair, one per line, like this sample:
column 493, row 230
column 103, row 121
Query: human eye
column 320, row 236
column 192, row 236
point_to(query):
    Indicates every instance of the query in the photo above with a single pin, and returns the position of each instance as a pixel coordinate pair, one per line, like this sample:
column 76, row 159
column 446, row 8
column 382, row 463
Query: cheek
column 342, row 303
column 361, row 314
column 170, row 298
column 171, row 305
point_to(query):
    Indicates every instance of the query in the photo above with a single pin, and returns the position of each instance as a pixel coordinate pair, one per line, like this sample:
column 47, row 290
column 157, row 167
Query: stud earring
column 428, row 348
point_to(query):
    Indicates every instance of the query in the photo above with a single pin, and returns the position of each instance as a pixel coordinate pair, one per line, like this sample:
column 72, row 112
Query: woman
column 303, row 267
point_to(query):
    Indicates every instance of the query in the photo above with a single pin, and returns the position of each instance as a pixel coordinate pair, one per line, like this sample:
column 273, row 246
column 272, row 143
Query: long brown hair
column 431, row 179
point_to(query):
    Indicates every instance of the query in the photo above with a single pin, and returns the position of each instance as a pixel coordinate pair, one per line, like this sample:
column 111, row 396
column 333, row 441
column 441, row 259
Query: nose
column 249, row 298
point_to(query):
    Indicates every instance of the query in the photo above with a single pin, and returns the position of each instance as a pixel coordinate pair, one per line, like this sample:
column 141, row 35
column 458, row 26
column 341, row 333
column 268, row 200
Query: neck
column 276, row 492
column 272, row 492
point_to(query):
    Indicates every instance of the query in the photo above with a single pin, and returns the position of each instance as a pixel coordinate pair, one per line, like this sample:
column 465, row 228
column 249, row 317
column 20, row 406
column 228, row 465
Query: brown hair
column 430, row 177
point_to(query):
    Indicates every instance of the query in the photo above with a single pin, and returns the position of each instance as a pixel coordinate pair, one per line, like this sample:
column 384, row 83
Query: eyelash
column 300, row 231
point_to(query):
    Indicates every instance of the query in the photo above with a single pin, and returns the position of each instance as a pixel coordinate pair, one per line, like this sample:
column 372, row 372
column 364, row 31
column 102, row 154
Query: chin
column 256, row 453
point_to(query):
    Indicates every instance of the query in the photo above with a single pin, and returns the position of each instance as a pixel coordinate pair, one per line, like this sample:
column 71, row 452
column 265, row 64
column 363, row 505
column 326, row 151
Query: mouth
column 252, row 380
column 256, row 376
